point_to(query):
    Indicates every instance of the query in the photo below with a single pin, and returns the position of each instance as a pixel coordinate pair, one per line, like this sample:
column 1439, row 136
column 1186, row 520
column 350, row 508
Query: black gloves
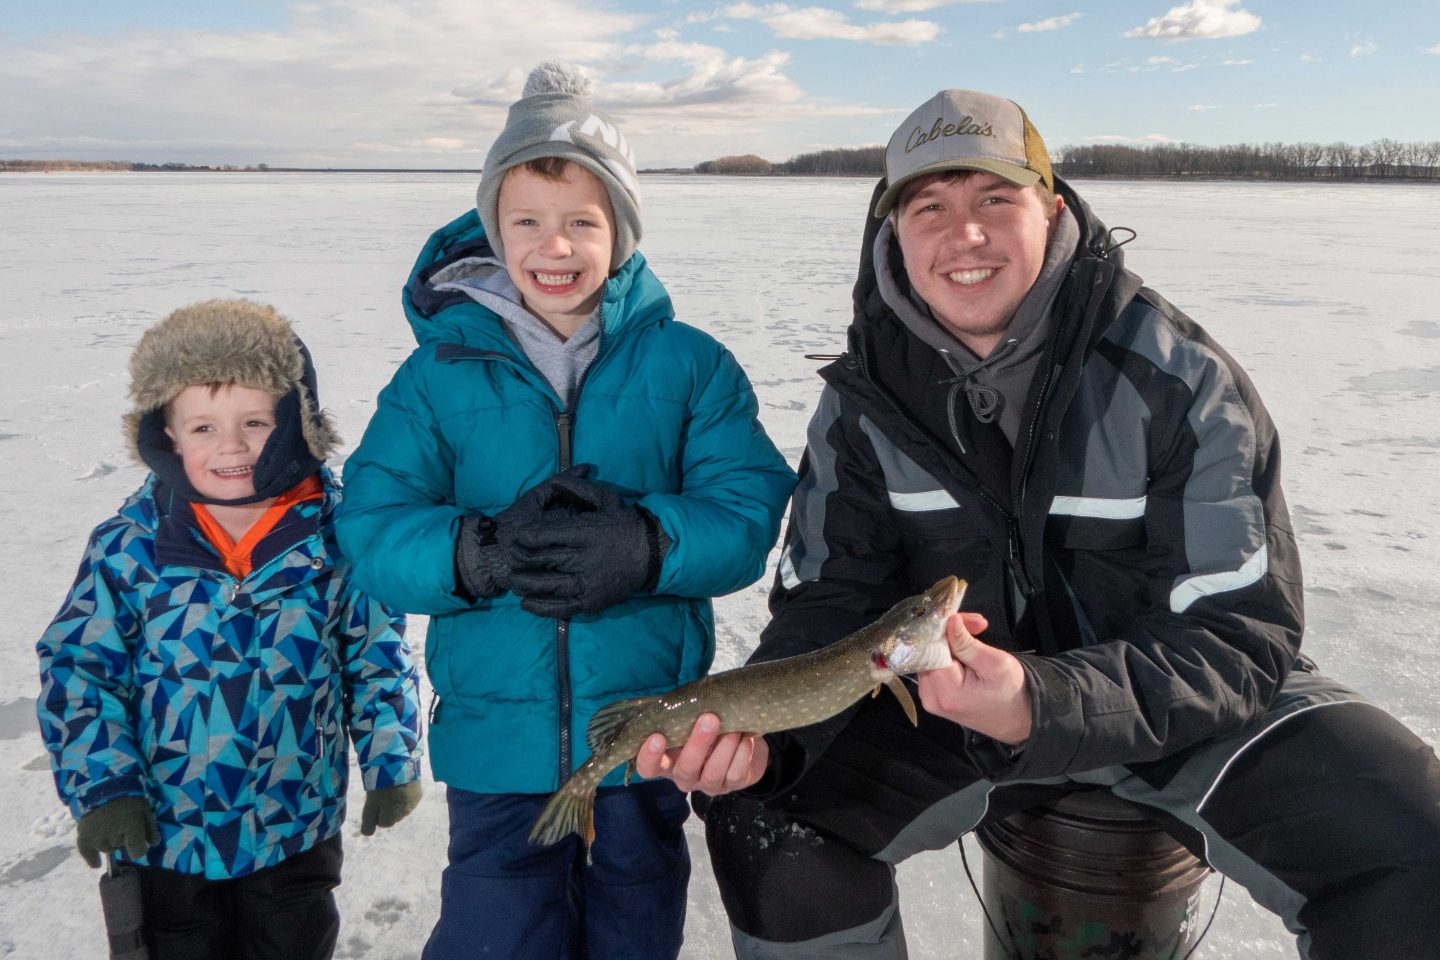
column 484, row 549
column 126, row 823
column 586, row 561
column 570, row 545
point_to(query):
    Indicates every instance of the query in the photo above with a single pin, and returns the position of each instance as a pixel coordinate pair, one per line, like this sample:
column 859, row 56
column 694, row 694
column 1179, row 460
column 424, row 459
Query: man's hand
column 983, row 688
column 708, row 761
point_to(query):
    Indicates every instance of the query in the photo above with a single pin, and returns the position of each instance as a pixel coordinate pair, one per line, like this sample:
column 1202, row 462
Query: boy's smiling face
column 558, row 239
column 219, row 433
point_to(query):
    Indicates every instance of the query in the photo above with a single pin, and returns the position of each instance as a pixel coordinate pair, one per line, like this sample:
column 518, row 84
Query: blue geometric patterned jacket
column 225, row 702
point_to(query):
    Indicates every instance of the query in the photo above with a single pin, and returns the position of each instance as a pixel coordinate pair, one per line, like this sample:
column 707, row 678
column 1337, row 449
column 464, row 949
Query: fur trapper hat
column 229, row 342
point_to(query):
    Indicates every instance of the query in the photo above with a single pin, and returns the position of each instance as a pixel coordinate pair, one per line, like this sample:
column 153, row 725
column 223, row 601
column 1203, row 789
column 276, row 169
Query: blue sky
column 390, row 83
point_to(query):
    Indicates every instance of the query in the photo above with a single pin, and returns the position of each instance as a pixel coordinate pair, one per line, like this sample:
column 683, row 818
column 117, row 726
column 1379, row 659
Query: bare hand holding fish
column 983, row 688
column 761, row 698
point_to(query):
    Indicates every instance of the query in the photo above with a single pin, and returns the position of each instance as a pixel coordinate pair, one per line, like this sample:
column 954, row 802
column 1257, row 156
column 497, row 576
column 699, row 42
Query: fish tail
column 571, row 809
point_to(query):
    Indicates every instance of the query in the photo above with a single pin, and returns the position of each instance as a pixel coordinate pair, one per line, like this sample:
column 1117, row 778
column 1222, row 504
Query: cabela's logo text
column 967, row 127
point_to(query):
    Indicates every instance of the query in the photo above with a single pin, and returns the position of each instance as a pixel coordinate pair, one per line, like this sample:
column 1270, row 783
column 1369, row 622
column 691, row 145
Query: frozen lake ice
column 1326, row 294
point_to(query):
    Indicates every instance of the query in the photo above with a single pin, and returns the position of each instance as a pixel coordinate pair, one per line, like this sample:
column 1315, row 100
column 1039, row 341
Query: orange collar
column 236, row 556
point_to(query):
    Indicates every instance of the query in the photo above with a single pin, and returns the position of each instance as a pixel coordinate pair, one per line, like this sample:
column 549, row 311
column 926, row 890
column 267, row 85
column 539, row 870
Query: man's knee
column 782, row 881
column 1342, row 805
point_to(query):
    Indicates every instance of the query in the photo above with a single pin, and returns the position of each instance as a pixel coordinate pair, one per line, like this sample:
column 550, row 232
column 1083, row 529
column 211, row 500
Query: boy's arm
column 397, row 523
column 734, row 488
column 86, row 673
column 382, row 693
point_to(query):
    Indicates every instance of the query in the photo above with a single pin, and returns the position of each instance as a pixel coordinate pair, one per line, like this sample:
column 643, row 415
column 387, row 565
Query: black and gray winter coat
column 1132, row 546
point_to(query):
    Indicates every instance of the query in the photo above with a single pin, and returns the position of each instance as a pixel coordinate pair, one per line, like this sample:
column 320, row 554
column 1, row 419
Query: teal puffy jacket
column 467, row 424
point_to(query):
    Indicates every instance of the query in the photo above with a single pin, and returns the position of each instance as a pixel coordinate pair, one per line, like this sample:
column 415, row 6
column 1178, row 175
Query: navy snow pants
column 503, row 897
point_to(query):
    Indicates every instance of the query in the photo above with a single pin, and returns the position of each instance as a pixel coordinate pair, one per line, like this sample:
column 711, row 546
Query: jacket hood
column 631, row 297
column 235, row 342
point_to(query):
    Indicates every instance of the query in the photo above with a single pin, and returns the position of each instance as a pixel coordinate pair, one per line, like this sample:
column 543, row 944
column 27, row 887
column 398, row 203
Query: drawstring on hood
column 985, row 400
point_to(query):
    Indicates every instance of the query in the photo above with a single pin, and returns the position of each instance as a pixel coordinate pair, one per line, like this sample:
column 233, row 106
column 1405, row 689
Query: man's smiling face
column 973, row 245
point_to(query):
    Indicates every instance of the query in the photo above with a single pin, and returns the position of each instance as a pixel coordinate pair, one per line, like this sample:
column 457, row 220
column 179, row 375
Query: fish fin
column 629, row 770
column 571, row 809
column 907, row 703
column 610, row 719
column 876, row 692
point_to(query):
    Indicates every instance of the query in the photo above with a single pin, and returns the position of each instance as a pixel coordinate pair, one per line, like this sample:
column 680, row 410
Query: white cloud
column 1309, row 58
column 1435, row 49
column 1049, row 23
column 998, row 35
column 909, row 6
column 1199, row 20
column 1203, row 107
column 1079, row 68
column 820, row 23
column 381, row 82
column 1235, row 63
column 1365, row 48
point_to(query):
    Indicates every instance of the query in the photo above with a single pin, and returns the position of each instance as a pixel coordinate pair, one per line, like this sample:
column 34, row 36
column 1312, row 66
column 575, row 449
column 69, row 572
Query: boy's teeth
column 556, row 279
column 970, row 276
column 233, row 471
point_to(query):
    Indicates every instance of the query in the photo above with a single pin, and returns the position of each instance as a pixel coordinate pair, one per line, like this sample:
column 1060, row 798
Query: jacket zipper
column 1012, row 527
column 564, row 432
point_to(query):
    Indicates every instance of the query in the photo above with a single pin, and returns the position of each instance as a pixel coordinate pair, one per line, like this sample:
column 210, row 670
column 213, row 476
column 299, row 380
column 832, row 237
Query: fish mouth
column 920, row 644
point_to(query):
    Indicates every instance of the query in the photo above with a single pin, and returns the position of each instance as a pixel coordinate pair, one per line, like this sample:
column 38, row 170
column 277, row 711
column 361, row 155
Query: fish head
column 910, row 637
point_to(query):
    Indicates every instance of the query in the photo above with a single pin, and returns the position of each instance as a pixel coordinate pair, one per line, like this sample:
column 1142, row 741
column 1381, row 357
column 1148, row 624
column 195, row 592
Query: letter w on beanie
column 554, row 118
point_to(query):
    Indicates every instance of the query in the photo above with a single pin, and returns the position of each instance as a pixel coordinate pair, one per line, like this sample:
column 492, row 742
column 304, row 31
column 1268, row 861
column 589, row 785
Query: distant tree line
column 1381, row 159
column 112, row 166
column 854, row 162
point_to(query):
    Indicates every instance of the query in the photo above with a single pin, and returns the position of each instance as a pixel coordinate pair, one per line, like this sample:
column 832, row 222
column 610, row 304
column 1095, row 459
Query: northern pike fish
column 760, row 698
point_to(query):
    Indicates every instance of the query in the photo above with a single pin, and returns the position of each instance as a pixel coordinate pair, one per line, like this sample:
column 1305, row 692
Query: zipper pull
column 563, row 433
column 1017, row 568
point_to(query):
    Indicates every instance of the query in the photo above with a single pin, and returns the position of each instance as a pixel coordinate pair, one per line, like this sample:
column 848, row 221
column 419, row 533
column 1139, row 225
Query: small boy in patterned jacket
column 201, row 676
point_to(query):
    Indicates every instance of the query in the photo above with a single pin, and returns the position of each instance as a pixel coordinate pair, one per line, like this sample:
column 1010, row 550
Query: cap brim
column 1018, row 175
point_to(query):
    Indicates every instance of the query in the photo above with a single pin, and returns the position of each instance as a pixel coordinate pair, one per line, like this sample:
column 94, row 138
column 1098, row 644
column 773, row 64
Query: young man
column 1015, row 408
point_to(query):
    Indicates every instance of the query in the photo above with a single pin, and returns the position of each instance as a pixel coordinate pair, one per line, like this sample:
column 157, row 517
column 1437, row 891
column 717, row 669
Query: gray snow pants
column 1327, row 812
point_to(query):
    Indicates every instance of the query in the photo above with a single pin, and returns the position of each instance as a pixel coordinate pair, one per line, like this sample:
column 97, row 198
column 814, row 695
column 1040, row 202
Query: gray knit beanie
column 554, row 118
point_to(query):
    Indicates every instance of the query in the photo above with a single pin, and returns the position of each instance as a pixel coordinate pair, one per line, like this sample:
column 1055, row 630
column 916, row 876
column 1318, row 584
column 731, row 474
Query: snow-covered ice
column 1326, row 294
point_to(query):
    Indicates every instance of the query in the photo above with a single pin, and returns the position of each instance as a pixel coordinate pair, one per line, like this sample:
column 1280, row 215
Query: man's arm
column 1221, row 620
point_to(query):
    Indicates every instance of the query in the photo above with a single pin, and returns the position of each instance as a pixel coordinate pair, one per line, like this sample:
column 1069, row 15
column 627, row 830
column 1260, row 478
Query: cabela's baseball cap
column 964, row 130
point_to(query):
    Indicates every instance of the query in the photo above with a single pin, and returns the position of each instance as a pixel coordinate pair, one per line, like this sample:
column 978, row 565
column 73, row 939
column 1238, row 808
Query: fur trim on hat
column 224, row 341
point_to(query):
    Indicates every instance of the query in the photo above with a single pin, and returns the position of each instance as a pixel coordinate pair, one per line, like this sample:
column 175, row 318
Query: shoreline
column 109, row 167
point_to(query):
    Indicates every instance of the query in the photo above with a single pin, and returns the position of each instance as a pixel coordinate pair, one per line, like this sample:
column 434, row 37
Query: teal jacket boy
column 562, row 475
